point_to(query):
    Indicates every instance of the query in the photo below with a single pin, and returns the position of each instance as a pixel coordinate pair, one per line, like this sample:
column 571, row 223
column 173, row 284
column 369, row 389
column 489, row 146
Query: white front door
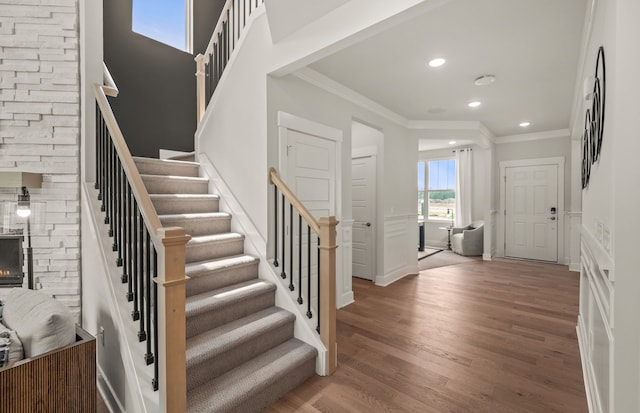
column 363, row 175
column 531, row 212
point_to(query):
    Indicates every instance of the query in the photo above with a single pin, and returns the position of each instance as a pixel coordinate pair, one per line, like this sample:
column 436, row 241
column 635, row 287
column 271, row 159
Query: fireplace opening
column 11, row 260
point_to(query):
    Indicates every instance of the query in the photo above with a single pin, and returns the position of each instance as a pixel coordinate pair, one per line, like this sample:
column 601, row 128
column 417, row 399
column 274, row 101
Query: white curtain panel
column 463, row 186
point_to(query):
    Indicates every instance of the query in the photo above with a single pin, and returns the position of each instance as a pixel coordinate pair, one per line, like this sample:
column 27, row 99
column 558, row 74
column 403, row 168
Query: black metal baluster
column 308, row 271
column 114, row 201
column 220, row 54
column 142, row 335
column 125, row 233
column 103, row 166
column 318, row 308
column 299, row 259
column 135, row 314
column 154, row 382
column 107, row 187
column 291, row 246
column 112, row 190
column 275, row 225
column 283, row 273
column 98, row 142
column 148, row 357
column 129, row 261
column 121, row 185
column 210, row 81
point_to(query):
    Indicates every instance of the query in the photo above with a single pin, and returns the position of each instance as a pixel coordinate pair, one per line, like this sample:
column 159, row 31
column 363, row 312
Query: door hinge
column 289, row 147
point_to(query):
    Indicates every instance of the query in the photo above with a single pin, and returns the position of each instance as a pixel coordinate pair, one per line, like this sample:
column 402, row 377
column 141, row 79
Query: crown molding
column 326, row 83
column 535, row 136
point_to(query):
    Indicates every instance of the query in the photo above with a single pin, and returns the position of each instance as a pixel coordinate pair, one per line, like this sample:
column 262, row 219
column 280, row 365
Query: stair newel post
column 327, row 293
column 200, row 86
column 171, row 320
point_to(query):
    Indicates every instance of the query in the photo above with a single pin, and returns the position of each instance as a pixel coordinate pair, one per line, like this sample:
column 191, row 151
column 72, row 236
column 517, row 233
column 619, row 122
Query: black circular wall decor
column 594, row 120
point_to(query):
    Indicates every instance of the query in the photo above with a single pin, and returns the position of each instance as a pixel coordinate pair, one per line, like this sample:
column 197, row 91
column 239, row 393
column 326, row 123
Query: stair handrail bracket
column 325, row 230
column 152, row 257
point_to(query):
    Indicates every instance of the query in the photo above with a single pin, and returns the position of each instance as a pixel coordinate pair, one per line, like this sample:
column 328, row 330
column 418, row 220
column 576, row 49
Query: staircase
column 241, row 353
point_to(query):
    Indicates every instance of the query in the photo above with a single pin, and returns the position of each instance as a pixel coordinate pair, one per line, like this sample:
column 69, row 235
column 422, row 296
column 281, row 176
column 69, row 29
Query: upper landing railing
column 211, row 63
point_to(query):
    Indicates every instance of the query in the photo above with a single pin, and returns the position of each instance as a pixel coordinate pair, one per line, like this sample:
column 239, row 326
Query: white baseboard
column 345, row 299
column 387, row 279
column 486, row 257
column 574, row 266
column 106, row 392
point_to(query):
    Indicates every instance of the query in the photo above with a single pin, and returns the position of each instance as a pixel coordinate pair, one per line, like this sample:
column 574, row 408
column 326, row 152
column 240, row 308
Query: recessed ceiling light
column 474, row 104
column 485, row 80
column 452, row 142
column 437, row 62
column 525, row 124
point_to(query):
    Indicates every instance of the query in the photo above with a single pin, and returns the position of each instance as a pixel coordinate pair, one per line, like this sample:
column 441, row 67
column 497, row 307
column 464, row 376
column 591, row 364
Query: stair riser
column 196, row 227
column 174, row 186
column 232, row 311
column 185, row 206
column 157, row 168
column 212, row 250
column 238, row 355
column 220, row 279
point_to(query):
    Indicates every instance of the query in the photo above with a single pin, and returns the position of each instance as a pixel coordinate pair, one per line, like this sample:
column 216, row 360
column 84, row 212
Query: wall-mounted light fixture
column 24, row 203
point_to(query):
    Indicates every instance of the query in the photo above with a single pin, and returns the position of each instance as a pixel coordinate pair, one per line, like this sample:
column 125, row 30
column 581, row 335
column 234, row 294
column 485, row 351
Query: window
column 437, row 189
column 167, row 21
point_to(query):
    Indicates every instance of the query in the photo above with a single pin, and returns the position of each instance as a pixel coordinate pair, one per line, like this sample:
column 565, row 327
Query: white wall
column 39, row 132
column 612, row 202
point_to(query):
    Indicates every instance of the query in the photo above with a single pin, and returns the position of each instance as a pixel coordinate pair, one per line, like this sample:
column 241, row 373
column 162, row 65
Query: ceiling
column 531, row 46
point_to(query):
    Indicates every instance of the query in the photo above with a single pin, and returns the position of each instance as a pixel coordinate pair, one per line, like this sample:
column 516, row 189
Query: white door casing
column 531, row 212
column 363, row 175
column 527, row 228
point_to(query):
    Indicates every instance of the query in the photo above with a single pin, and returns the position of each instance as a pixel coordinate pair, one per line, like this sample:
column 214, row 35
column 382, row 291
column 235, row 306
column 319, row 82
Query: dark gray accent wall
column 156, row 107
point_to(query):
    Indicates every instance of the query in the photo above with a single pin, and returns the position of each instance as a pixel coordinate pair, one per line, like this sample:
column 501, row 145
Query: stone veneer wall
column 40, row 130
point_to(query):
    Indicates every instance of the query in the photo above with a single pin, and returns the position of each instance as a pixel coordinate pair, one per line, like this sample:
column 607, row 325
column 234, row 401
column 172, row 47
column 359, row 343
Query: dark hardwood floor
column 488, row 337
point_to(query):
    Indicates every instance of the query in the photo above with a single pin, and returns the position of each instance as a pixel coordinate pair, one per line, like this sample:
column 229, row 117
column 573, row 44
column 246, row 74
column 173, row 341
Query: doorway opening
column 366, row 144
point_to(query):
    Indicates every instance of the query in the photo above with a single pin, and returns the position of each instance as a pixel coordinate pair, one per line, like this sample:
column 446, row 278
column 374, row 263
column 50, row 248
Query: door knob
column 368, row 224
column 552, row 218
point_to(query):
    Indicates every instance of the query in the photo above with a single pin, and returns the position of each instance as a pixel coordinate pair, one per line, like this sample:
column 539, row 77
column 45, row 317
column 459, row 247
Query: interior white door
column 531, row 212
column 363, row 175
column 311, row 171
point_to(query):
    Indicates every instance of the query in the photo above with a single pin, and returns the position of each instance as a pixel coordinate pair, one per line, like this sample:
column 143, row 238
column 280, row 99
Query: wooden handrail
column 138, row 188
column 274, row 178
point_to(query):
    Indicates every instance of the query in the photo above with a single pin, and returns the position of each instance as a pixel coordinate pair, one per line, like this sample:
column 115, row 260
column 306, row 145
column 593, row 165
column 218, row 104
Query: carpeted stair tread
column 213, row 300
column 200, row 223
column 256, row 383
column 153, row 166
column 219, row 273
column 212, row 246
column 173, row 184
column 219, row 350
column 166, row 204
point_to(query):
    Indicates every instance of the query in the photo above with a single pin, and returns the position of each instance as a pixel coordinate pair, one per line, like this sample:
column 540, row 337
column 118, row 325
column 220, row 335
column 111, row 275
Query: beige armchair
column 468, row 240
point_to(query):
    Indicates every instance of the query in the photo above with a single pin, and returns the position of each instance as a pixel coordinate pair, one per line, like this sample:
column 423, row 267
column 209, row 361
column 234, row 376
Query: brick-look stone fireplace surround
column 40, row 131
